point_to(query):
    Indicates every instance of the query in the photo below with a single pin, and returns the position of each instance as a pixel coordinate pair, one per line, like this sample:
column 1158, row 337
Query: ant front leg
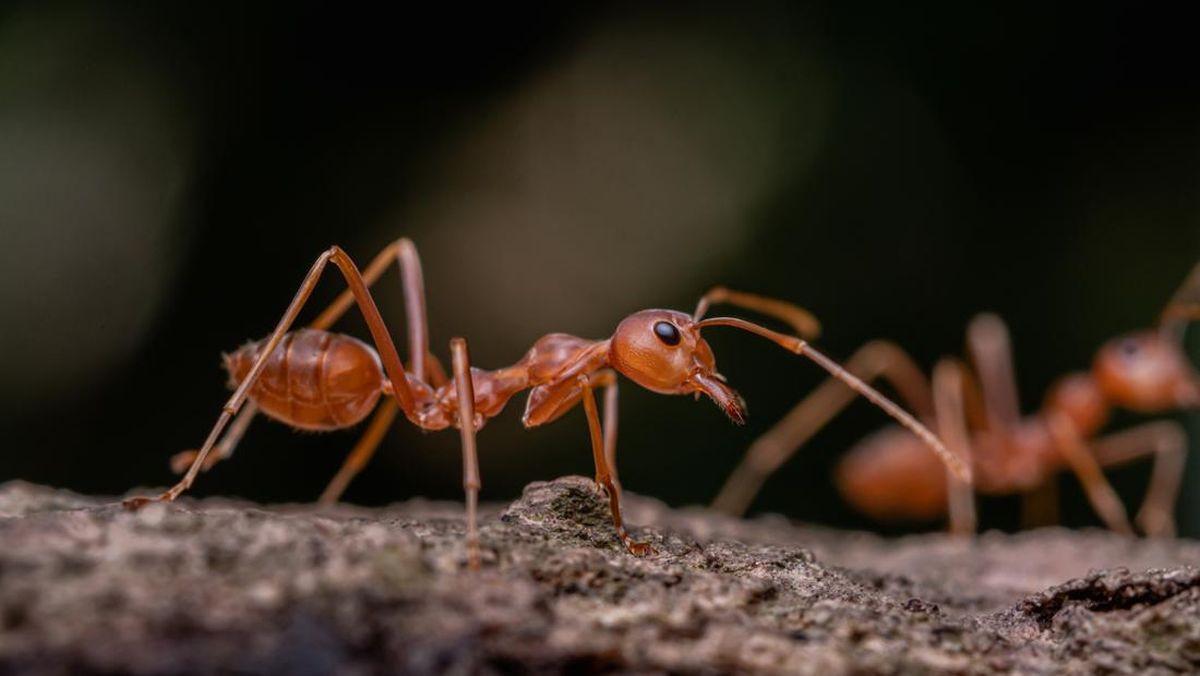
column 610, row 430
column 604, row 477
column 1166, row 440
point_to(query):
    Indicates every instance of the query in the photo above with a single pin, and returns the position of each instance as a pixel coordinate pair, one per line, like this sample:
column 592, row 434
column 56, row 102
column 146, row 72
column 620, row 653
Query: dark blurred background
column 168, row 172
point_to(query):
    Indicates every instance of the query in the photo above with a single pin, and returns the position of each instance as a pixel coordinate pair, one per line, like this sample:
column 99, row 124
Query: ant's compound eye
column 667, row 333
column 1130, row 347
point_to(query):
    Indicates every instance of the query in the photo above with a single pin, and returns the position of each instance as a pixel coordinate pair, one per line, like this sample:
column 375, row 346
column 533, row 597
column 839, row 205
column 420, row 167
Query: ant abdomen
column 892, row 476
column 314, row 380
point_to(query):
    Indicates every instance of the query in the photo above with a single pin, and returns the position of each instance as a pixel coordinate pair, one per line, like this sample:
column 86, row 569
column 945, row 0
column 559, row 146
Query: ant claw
column 136, row 503
column 639, row 548
column 601, row 488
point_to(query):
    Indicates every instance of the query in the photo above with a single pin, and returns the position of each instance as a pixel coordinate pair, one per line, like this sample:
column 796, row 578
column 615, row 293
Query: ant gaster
column 318, row 380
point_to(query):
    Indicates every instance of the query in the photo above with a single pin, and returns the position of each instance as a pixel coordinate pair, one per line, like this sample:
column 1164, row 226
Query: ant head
column 1146, row 372
column 662, row 351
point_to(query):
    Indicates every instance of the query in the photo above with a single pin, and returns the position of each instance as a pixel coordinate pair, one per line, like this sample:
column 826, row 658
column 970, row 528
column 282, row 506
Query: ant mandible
column 977, row 413
column 314, row 379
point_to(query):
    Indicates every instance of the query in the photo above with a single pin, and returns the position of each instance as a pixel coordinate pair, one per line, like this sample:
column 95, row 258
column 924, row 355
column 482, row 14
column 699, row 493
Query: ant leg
column 1039, row 506
column 182, row 460
column 1099, row 492
column 991, row 353
column 405, row 253
column 465, row 389
column 1184, row 305
column 876, row 359
column 952, row 427
column 413, row 284
column 383, row 343
column 1165, row 439
column 603, row 475
column 610, row 430
column 801, row 320
column 365, row 449
column 361, row 454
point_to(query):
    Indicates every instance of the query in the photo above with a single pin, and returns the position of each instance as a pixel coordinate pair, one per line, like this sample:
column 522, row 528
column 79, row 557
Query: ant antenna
column 801, row 347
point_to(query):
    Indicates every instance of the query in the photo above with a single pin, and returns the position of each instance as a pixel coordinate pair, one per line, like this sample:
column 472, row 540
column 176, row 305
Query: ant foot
column 137, row 502
column 1156, row 522
column 639, row 548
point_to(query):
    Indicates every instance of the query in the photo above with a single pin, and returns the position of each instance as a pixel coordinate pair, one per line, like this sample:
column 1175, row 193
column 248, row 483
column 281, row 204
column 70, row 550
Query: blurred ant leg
column 952, row 428
column 383, row 343
column 603, row 475
column 405, row 253
column 1184, row 305
column 1079, row 457
column 361, row 454
column 437, row 375
column 610, row 430
column 876, row 359
column 801, row 320
column 991, row 355
column 182, row 460
column 1165, row 439
column 1039, row 506
column 465, row 389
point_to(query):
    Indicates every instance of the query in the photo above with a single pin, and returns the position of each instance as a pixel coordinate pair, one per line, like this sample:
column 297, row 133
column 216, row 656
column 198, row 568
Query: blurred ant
column 313, row 379
column 888, row 475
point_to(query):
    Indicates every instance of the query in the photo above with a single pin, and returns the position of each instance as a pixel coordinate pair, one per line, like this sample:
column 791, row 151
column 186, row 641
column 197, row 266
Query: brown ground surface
column 214, row 585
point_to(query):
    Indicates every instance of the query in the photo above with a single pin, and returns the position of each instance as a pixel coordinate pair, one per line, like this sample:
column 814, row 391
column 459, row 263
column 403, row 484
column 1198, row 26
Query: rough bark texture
column 214, row 585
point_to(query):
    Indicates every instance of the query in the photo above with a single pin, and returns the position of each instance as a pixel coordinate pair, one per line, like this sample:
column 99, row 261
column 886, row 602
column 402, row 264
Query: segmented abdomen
column 314, row 380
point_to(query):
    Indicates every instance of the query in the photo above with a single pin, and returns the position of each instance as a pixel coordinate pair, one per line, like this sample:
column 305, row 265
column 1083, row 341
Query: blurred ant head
column 1146, row 372
column 662, row 351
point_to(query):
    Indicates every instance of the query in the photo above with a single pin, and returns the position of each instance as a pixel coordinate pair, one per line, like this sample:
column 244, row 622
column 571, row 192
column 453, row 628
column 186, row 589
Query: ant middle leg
column 1166, row 440
column 386, row 348
column 610, row 430
column 465, row 390
column 1086, row 467
column 951, row 416
column 876, row 359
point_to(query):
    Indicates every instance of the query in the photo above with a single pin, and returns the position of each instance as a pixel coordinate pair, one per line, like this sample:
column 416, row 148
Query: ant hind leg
column 383, row 343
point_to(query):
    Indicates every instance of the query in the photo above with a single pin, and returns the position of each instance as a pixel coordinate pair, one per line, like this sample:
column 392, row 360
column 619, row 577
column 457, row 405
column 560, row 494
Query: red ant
column 888, row 476
column 317, row 380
